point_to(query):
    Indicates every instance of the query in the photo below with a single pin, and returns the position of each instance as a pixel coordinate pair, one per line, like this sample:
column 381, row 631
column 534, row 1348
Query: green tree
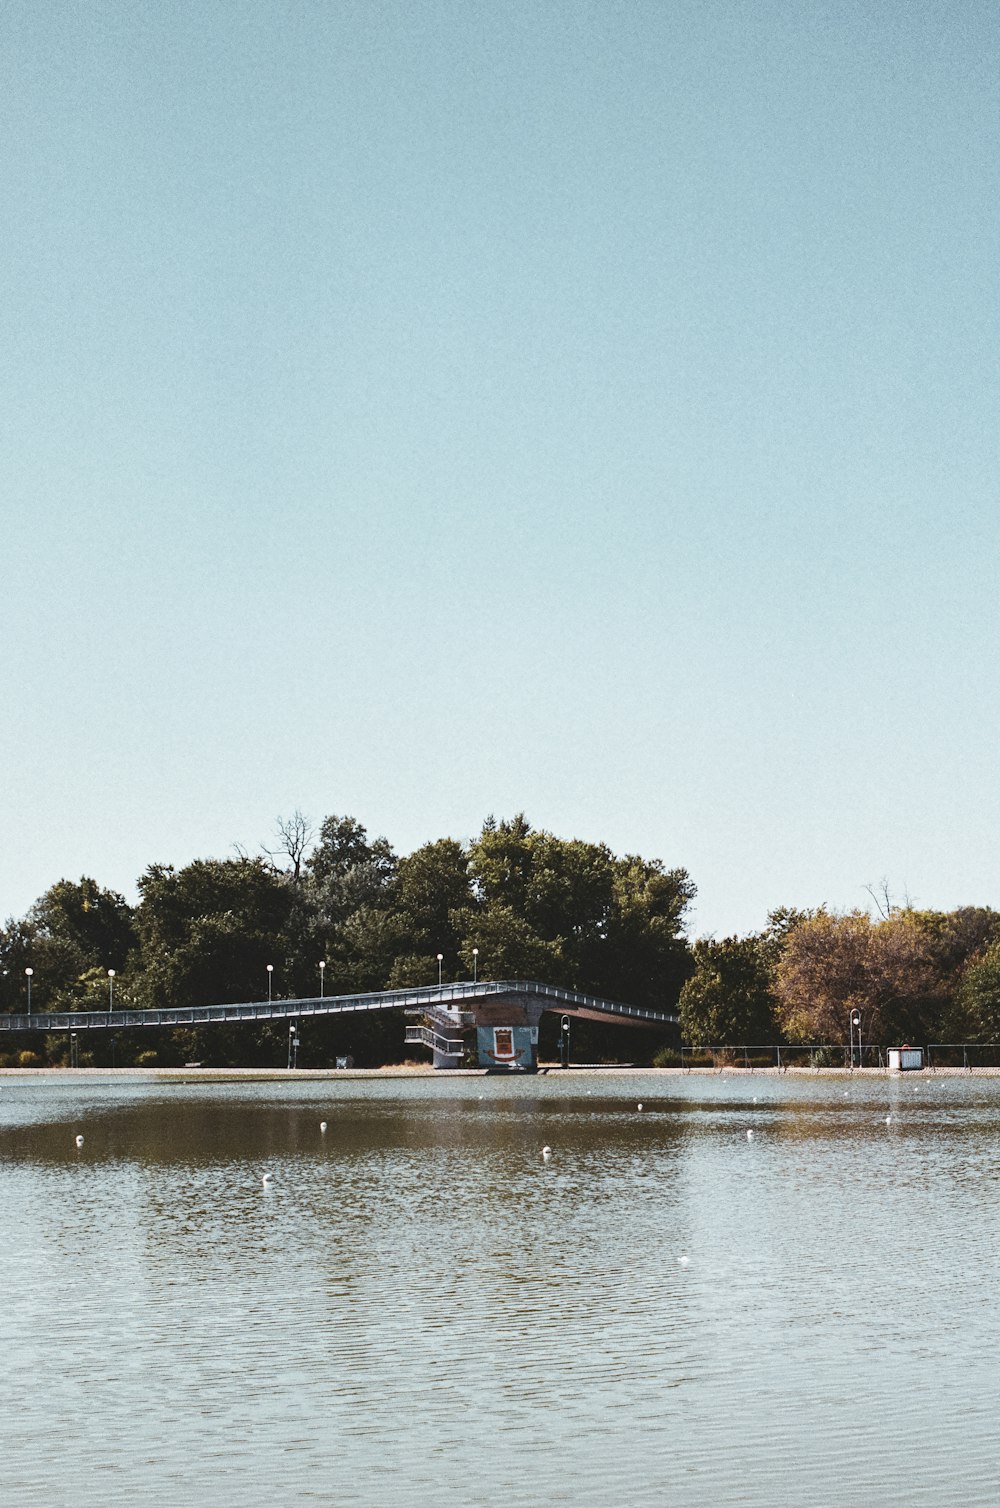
column 209, row 930
column 509, row 947
column 99, row 922
column 728, row 998
column 75, row 929
column 978, row 998
column 611, row 926
column 347, row 871
column 432, row 883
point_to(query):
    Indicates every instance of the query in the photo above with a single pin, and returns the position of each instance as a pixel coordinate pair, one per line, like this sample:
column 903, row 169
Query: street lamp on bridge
column 111, row 991
column 440, row 958
column 322, row 966
column 270, row 971
column 27, row 974
column 475, row 965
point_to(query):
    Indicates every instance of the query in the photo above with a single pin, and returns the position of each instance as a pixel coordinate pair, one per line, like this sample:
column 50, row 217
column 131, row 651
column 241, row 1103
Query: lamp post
column 27, row 974
column 270, row 971
column 857, row 1024
column 440, row 958
column 854, row 1018
column 322, row 966
column 293, row 1045
column 111, row 991
column 475, row 965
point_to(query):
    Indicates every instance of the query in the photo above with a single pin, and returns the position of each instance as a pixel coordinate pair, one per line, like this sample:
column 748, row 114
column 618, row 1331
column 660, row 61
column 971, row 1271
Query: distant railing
column 778, row 1057
column 330, row 1005
column 967, row 1055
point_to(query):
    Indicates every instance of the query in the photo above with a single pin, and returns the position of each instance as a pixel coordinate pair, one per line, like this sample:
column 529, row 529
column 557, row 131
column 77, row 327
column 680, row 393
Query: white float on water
column 639, row 1106
column 749, row 1136
column 267, row 1179
column 683, row 1261
column 546, row 1153
column 322, row 1125
column 79, row 1141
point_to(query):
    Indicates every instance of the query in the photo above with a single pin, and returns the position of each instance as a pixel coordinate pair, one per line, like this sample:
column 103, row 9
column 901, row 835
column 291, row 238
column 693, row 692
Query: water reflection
column 419, row 1309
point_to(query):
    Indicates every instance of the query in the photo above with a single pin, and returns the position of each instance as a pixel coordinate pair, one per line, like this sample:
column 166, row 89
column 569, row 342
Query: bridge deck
column 459, row 995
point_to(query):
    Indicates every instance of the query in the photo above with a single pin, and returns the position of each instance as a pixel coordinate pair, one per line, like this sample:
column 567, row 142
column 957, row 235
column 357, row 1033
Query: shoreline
column 425, row 1071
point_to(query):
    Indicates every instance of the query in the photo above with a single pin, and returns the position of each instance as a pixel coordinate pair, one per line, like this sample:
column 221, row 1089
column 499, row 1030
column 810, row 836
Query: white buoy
column 888, row 1120
column 267, row 1179
column 79, row 1141
column 546, row 1153
column 749, row 1136
column 322, row 1125
column 683, row 1261
column 639, row 1106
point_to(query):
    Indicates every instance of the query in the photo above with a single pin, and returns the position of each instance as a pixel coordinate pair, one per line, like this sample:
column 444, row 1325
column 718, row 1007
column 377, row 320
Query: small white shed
column 905, row 1059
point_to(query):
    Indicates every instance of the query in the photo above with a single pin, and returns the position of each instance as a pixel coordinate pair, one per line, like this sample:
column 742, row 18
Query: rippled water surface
column 420, row 1309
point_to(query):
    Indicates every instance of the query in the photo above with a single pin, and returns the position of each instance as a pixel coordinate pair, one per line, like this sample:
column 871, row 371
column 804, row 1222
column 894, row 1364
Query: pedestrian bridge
column 444, row 1011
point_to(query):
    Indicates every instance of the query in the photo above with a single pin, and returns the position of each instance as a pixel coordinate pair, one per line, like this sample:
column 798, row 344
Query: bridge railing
column 426, row 1036
column 319, row 1005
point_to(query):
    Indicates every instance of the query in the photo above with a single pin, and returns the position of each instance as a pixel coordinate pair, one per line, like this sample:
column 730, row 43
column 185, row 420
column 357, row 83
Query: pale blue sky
column 419, row 410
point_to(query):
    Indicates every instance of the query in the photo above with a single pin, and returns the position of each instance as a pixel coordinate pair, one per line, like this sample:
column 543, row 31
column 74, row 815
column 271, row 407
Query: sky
column 424, row 410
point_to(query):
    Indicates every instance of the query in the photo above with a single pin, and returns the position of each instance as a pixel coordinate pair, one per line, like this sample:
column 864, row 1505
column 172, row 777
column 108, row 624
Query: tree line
column 531, row 905
column 913, row 975
column 515, row 902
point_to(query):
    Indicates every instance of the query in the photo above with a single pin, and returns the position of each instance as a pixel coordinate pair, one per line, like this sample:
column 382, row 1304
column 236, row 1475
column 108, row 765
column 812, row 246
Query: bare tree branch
column 294, row 837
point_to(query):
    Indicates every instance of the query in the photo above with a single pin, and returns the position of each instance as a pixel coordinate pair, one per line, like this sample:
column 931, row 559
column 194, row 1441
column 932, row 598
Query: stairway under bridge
column 503, row 1013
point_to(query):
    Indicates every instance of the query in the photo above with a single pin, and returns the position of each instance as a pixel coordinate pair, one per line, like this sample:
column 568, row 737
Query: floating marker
column 79, row 1141
column 267, row 1179
column 322, row 1125
column 639, row 1106
column 546, row 1153
column 749, row 1136
column 683, row 1261
column 888, row 1120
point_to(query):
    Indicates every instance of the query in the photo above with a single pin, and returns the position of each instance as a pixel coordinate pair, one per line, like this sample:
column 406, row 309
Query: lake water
column 421, row 1310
